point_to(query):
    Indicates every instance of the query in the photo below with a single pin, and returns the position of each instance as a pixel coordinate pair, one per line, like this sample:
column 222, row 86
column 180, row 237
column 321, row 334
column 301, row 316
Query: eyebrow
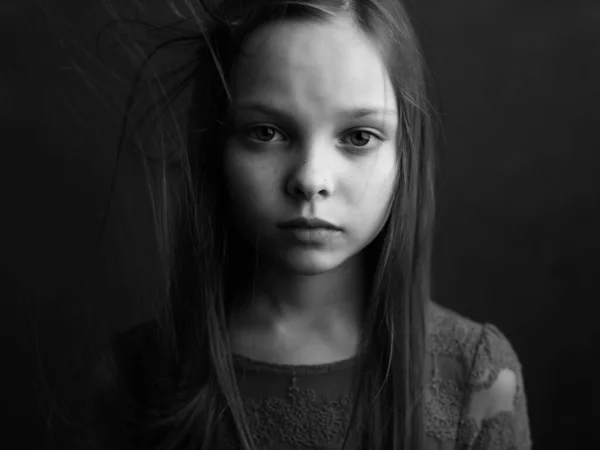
column 356, row 113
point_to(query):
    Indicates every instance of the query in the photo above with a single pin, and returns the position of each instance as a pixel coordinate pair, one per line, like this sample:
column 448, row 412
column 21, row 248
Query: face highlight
column 313, row 135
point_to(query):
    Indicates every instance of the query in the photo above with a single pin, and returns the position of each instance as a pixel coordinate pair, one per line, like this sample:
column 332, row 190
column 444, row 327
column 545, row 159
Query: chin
column 310, row 262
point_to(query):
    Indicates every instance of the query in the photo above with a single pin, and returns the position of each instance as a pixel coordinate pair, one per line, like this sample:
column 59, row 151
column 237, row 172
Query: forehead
column 320, row 66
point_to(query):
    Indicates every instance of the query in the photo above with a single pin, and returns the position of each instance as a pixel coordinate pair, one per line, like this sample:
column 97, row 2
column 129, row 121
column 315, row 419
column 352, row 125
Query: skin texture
column 311, row 159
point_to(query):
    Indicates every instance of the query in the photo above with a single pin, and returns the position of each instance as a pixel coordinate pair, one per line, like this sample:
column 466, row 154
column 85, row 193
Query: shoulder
column 131, row 385
column 119, row 357
column 490, row 371
column 130, row 361
column 117, row 385
column 451, row 334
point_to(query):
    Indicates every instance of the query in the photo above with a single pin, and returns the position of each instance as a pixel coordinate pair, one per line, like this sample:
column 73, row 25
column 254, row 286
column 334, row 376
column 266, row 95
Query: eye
column 263, row 133
column 361, row 138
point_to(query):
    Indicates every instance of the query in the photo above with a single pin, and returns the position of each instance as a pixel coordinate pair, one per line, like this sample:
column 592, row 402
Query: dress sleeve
column 495, row 414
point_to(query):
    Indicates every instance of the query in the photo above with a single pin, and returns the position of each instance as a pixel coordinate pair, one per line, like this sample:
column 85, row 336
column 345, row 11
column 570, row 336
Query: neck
column 323, row 301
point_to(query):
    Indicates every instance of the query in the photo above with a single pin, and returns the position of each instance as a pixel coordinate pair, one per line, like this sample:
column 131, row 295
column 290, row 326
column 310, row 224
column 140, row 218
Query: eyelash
column 360, row 130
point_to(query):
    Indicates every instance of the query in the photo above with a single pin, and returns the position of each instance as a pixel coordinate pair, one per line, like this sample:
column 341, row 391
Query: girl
column 297, row 242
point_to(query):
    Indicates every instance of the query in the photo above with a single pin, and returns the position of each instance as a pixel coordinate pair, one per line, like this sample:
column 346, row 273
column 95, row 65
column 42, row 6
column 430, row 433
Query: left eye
column 362, row 138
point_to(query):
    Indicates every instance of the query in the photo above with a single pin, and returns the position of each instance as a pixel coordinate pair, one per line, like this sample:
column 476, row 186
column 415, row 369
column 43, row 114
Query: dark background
column 518, row 223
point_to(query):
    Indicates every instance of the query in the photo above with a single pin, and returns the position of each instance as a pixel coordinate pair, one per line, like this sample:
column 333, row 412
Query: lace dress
column 474, row 398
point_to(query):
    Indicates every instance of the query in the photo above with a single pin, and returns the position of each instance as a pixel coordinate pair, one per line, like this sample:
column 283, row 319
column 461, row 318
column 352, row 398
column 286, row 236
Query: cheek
column 371, row 199
column 375, row 190
column 249, row 181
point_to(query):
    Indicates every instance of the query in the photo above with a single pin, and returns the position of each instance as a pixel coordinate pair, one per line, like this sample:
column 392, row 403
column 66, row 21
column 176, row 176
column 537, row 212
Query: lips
column 308, row 223
column 311, row 232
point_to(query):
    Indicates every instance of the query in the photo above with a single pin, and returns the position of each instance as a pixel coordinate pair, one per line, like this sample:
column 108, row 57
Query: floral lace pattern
column 303, row 420
column 443, row 401
column 485, row 353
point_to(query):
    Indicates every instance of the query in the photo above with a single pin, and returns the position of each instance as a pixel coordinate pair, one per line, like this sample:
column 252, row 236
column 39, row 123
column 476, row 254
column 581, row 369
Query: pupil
column 266, row 132
column 360, row 134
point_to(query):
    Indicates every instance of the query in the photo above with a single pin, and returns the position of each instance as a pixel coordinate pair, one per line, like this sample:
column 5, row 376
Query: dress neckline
column 303, row 369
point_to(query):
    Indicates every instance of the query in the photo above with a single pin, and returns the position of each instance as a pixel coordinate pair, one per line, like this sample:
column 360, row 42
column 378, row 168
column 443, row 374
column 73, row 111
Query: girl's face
column 314, row 120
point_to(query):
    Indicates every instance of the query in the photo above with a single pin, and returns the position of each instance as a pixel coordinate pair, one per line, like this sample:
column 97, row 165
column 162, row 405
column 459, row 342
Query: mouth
column 309, row 223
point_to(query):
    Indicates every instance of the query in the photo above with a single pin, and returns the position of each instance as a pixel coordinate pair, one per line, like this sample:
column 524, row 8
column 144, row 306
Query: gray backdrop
column 518, row 242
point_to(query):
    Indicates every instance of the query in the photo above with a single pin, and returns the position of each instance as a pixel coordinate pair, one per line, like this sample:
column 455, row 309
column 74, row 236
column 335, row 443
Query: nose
column 311, row 178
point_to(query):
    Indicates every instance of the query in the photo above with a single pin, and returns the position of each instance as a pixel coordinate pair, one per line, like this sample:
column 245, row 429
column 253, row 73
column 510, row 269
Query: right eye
column 263, row 133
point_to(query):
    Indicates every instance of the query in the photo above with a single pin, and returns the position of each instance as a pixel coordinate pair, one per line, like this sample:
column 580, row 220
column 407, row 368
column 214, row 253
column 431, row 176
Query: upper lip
column 308, row 222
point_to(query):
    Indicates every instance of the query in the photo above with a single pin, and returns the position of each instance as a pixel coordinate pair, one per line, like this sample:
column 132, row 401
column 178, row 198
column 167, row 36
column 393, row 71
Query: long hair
column 185, row 125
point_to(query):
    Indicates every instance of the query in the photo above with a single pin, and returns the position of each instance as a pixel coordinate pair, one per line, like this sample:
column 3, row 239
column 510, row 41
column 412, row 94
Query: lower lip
column 312, row 235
